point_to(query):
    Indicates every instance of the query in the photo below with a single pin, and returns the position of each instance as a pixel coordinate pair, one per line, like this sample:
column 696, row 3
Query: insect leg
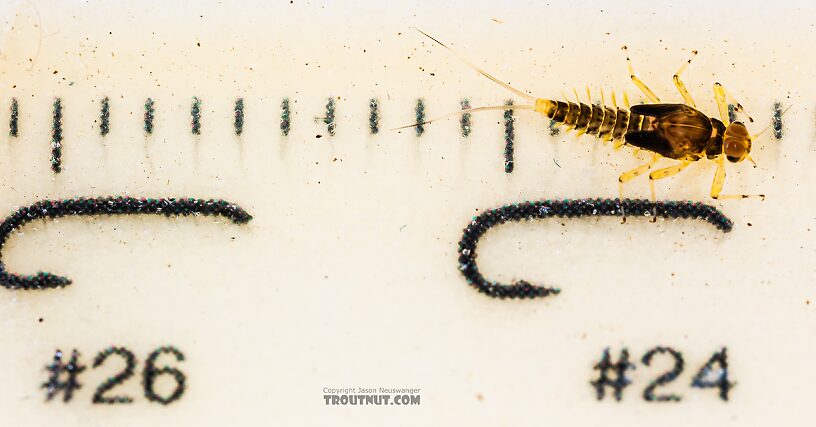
column 723, row 99
column 719, row 180
column 665, row 173
column 722, row 104
column 639, row 83
column 682, row 87
column 632, row 174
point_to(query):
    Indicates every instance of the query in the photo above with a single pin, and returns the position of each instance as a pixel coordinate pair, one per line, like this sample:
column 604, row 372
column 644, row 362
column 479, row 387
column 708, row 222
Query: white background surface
column 347, row 275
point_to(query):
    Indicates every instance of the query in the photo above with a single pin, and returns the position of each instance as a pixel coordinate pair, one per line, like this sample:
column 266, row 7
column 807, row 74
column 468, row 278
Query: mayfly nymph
column 674, row 131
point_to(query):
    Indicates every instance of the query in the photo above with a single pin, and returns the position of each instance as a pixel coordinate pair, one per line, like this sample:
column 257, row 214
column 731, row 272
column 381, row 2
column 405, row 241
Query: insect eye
column 732, row 147
column 733, row 159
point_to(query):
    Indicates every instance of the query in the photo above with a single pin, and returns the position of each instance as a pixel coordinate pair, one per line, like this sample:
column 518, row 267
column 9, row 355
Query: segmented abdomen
column 605, row 122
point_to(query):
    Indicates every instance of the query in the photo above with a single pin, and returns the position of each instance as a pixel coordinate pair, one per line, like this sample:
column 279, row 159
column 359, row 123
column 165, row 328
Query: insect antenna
column 481, row 71
column 754, row 137
column 469, row 110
